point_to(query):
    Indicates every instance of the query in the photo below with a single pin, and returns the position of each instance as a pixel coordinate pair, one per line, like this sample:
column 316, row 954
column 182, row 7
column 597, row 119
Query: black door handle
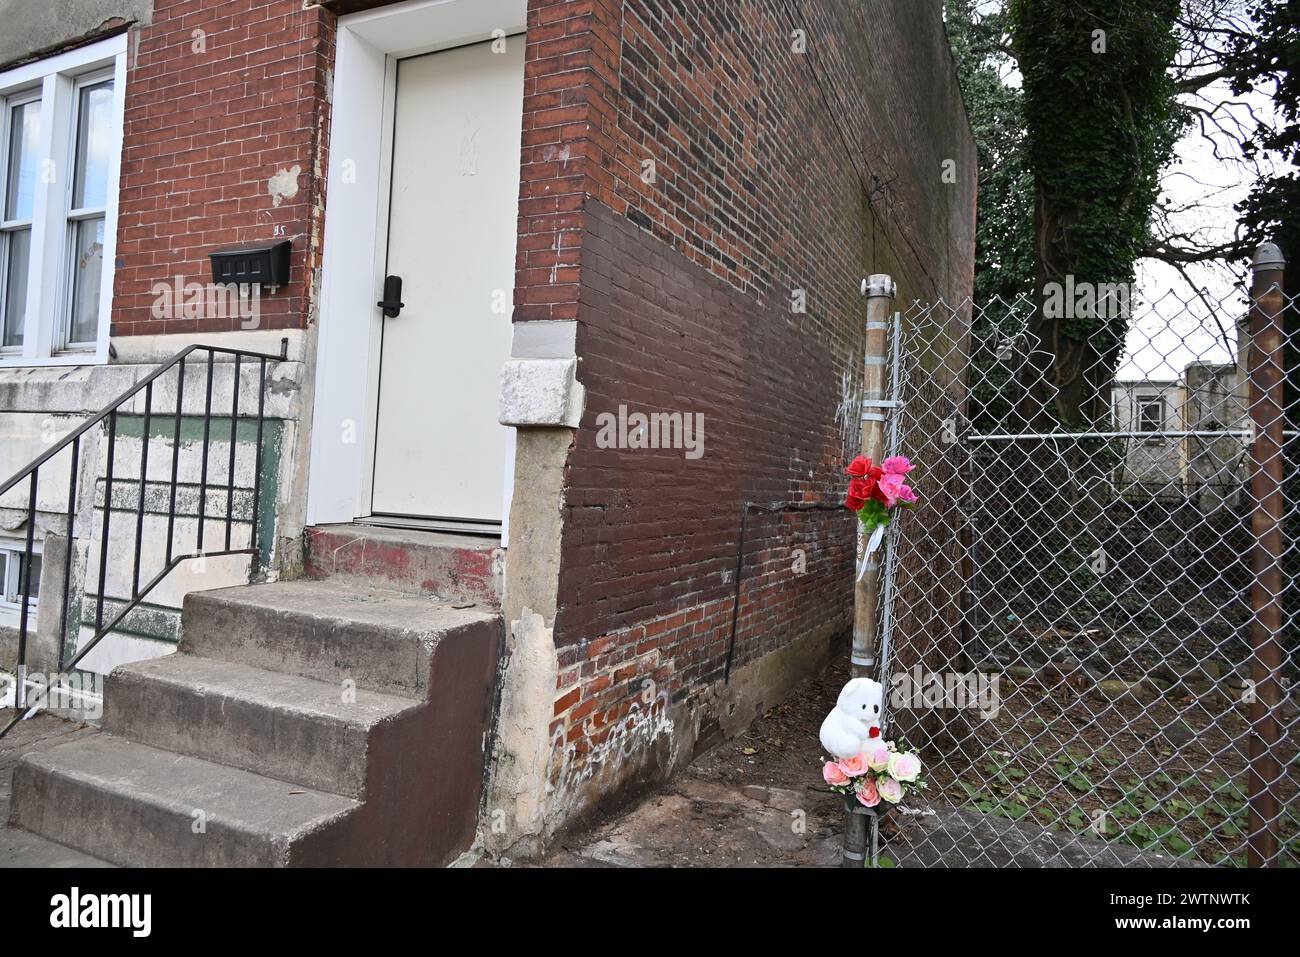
column 392, row 302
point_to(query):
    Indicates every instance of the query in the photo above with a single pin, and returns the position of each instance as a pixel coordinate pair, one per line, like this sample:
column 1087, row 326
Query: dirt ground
column 1165, row 773
column 754, row 801
column 758, row 801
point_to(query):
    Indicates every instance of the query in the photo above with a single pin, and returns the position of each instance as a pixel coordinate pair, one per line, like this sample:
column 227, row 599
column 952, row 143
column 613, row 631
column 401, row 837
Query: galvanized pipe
column 879, row 290
column 855, row 841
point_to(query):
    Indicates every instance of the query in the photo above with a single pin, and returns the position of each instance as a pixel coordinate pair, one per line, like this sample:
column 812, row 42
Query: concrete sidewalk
column 21, row 848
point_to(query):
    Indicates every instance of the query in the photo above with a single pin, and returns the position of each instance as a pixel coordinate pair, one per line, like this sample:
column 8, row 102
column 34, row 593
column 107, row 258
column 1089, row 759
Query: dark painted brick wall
column 774, row 171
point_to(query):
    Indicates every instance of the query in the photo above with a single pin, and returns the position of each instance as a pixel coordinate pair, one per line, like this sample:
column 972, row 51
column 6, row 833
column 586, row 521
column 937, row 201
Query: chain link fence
column 1077, row 625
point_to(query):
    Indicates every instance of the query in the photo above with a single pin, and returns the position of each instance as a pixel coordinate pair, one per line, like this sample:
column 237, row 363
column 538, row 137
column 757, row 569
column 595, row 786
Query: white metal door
column 439, row 451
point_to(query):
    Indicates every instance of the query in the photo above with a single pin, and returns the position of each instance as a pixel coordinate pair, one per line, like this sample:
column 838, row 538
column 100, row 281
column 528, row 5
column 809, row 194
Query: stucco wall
column 36, row 27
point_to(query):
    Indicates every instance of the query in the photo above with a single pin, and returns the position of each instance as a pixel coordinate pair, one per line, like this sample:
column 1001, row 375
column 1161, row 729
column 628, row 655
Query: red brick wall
column 205, row 131
column 775, row 171
column 566, row 78
column 732, row 118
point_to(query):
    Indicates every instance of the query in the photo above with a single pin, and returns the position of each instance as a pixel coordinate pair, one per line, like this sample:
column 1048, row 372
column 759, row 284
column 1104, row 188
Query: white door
column 453, row 215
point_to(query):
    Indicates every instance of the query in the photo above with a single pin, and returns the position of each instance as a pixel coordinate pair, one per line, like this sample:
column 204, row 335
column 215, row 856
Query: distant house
column 1183, row 437
column 1146, row 410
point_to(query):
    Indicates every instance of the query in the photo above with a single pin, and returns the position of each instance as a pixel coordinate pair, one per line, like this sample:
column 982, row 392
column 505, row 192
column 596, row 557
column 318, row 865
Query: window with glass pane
column 87, row 267
column 1151, row 415
column 17, row 253
column 12, row 566
column 16, row 225
column 86, row 218
column 24, row 133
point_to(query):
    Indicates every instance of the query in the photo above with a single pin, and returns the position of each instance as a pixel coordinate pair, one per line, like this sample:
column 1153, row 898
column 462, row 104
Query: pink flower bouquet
column 883, row 773
column 876, row 490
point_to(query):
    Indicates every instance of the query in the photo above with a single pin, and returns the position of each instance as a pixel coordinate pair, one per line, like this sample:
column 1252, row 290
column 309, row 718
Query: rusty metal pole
column 879, row 290
column 1267, row 377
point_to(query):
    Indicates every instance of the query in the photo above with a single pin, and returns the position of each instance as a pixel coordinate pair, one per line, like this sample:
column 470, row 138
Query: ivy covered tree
column 1101, row 121
column 1004, row 238
column 1004, row 235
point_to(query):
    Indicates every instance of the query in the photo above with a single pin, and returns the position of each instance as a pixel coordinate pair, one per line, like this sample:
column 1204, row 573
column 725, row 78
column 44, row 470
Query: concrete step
column 132, row 804
column 279, row 725
column 459, row 567
column 19, row 848
column 338, row 631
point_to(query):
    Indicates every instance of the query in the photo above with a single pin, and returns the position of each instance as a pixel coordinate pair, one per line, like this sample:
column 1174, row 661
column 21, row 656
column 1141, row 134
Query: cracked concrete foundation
column 513, row 819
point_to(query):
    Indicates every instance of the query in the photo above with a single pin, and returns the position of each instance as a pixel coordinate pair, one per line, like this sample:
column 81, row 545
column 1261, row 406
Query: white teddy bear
column 855, row 721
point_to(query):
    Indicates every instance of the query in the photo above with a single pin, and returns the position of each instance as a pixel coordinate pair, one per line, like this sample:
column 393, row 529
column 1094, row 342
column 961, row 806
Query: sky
column 1173, row 325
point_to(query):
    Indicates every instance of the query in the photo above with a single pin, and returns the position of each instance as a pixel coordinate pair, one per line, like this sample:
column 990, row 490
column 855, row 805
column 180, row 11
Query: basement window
column 12, row 565
column 60, row 152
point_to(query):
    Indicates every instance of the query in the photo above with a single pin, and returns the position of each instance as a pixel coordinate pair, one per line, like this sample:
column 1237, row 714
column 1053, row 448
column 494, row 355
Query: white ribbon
column 873, row 543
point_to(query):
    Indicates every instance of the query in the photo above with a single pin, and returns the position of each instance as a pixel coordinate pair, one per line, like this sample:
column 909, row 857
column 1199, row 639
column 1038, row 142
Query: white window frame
column 59, row 80
column 1143, row 402
column 14, row 552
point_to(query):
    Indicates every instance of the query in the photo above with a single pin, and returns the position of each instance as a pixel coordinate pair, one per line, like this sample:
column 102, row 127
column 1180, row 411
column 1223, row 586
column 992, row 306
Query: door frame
column 346, row 381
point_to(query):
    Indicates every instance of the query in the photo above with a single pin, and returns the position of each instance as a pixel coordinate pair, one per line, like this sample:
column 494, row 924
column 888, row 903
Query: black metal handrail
column 109, row 414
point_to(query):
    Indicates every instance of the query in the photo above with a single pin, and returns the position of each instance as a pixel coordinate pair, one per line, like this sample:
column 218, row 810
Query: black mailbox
column 265, row 264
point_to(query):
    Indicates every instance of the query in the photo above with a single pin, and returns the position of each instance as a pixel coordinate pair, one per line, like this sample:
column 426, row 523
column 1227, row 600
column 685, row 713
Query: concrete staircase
column 337, row 720
column 459, row 567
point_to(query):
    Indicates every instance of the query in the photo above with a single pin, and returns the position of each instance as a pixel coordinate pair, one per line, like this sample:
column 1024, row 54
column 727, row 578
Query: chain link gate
column 1077, row 623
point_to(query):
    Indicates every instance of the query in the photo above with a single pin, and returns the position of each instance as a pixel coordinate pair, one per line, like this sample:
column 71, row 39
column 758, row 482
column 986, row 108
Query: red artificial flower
column 862, row 488
column 863, row 467
column 874, row 732
column 866, row 475
column 860, row 466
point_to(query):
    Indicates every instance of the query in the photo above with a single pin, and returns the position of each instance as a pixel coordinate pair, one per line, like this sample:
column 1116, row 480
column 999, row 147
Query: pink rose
column 890, row 790
column 833, row 775
column 867, row 794
column 894, row 490
column 876, row 756
column 855, row 766
column 897, row 465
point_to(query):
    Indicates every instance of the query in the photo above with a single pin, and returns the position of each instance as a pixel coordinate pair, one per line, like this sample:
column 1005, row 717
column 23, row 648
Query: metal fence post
column 1267, row 344
column 854, row 855
column 879, row 290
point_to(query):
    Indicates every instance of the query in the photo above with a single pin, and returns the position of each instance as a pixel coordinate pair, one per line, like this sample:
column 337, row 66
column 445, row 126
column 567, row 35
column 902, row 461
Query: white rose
column 905, row 766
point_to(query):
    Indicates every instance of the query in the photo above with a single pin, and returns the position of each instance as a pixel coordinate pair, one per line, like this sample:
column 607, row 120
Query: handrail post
column 25, row 593
column 1267, row 383
column 879, row 290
